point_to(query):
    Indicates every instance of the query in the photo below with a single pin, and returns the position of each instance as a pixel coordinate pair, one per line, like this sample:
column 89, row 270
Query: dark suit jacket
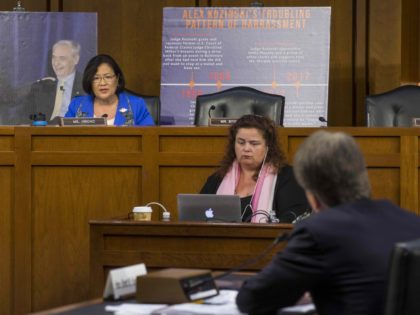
column 340, row 255
column 41, row 97
column 289, row 198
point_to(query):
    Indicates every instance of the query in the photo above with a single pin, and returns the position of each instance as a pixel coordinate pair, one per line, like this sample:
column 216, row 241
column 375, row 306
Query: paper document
column 302, row 309
column 200, row 309
column 134, row 309
column 222, row 304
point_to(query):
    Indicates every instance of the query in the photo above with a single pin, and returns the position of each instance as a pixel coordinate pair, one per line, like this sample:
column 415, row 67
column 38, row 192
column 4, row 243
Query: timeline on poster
column 281, row 50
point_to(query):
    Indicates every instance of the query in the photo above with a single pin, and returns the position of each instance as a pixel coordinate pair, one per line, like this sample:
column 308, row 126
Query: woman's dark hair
column 92, row 68
column 275, row 156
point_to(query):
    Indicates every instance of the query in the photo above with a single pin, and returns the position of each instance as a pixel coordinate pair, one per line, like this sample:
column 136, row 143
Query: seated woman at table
column 254, row 167
column 104, row 83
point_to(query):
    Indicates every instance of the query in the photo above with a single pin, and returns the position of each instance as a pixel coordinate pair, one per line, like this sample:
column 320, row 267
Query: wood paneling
column 410, row 51
column 380, row 145
column 374, row 43
column 22, row 230
column 6, row 224
column 176, row 244
column 409, row 173
column 201, row 144
column 67, row 197
column 54, row 180
column 29, row 5
column 86, row 143
column 132, row 33
column 361, row 64
column 385, row 183
column 384, row 33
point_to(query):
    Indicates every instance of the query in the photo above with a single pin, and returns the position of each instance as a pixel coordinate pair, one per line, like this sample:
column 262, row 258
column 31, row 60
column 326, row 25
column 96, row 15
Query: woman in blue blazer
column 104, row 83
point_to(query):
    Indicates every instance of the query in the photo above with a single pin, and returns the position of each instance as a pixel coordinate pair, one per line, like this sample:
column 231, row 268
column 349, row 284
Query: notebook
column 209, row 208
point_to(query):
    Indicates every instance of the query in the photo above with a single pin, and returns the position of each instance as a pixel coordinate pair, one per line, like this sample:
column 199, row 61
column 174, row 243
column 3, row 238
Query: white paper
column 224, row 297
column 304, row 308
column 201, row 309
column 133, row 309
column 222, row 304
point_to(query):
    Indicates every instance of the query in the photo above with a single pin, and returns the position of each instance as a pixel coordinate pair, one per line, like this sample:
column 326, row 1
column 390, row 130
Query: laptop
column 209, row 208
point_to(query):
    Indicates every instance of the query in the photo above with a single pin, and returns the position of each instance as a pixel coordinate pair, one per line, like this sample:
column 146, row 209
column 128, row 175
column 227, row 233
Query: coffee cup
column 141, row 214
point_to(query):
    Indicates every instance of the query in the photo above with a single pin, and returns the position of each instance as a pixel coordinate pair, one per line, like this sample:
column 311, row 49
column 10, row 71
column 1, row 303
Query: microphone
column 62, row 88
column 105, row 116
column 212, row 108
column 303, row 216
column 322, row 119
column 272, row 217
column 295, row 215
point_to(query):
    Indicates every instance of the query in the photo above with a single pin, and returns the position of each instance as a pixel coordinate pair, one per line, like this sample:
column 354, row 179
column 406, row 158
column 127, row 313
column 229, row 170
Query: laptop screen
column 209, row 208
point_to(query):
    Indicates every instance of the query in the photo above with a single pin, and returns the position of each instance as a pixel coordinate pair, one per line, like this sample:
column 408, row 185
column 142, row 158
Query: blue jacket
column 131, row 110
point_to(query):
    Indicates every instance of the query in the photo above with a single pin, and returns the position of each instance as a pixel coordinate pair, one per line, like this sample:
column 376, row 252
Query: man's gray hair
column 75, row 46
column 331, row 166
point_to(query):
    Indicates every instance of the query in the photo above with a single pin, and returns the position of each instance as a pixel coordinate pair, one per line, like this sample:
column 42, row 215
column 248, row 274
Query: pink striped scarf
column 263, row 193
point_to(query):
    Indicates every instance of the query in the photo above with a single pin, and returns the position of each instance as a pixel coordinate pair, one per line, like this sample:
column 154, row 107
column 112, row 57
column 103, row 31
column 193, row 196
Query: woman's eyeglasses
column 108, row 78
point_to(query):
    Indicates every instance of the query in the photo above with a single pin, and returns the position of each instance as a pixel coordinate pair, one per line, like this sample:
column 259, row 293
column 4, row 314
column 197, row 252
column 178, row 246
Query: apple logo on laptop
column 209, row 213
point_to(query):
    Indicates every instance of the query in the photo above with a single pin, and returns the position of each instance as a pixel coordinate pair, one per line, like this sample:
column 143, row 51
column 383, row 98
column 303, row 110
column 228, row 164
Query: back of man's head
column 332, row 168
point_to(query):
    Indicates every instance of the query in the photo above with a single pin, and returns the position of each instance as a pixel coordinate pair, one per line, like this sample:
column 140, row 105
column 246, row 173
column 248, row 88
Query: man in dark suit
column 51, row 95
column 340, row 254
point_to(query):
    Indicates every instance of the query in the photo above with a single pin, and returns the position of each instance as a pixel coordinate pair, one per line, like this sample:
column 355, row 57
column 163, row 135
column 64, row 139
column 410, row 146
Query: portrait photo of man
column 51, row 95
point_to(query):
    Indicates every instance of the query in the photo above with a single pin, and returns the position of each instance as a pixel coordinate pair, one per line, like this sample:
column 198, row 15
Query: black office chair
column 152, row 104
column 404, row 280
column 395, row 108
column 236, row 102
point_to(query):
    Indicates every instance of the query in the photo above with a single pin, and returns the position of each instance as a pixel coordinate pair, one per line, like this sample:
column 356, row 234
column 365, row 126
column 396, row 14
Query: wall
column 374, row 43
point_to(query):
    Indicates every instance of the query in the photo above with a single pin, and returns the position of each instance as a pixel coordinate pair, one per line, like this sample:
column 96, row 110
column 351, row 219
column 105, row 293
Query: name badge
column 83, row 121
column 222, row 121
column 122, row 281
column 416, row 122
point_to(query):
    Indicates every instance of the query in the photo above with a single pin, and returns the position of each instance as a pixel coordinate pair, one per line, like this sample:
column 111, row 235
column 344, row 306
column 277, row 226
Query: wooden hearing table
column 215, row 246
column 54, row 180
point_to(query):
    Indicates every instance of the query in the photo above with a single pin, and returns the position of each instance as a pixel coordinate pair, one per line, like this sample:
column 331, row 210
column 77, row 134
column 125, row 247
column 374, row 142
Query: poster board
column 278, row 50
column 26, row 41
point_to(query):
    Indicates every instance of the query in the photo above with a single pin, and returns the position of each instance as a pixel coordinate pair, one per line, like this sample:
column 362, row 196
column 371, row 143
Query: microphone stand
column 323, row 120
column 280, row 238
column 212, row 108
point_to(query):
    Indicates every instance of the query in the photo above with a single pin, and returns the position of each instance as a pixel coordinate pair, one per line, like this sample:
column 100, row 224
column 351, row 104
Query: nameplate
column 83, row 121
column 122, row 281
column 416, row 122
column 222, row 121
